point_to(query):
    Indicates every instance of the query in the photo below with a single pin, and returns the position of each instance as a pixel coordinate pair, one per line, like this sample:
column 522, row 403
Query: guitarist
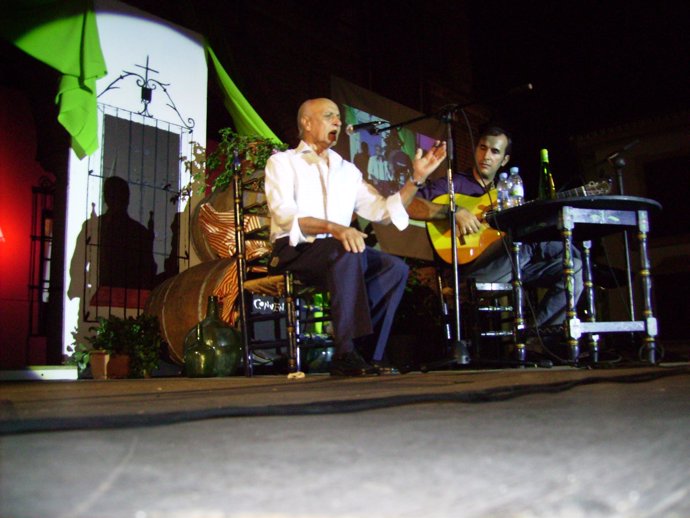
column 541, row 263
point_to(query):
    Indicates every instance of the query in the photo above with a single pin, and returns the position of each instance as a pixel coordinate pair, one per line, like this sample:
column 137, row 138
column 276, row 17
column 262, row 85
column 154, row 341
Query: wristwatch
column 417, row 184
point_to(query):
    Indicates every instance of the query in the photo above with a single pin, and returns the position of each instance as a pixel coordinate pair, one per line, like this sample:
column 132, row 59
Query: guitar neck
column 570, row 193
column 589, row 189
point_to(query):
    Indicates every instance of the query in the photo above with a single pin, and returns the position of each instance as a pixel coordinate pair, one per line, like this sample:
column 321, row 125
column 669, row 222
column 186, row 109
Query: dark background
column 593, row 65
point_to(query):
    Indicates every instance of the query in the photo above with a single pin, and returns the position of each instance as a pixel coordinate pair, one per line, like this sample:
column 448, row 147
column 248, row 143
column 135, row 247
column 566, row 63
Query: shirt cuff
column 398, row 214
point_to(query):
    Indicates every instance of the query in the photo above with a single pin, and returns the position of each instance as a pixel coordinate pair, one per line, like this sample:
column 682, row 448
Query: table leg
column 566, row 225
column 645, row 276
column 592, row 338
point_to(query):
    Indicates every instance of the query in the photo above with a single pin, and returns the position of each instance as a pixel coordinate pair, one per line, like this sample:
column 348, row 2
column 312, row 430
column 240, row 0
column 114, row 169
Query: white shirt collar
column 334, row 159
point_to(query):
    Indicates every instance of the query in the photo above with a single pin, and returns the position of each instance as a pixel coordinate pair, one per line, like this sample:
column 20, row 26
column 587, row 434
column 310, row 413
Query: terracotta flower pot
column 99, row 364
column 105, row 366
column 118, row 366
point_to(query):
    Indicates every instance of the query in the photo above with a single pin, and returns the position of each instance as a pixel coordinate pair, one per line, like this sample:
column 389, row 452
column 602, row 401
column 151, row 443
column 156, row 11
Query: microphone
column 369, row 126
column 625, row 148
column 617, row 156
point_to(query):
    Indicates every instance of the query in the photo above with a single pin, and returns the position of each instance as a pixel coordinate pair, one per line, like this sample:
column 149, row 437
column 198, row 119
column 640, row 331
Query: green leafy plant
column 138, row 337
column 78, row 355
column 144, row 351
column 235, row 152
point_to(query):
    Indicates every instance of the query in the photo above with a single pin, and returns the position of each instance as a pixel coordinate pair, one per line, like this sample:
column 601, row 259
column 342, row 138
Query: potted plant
column 79, row 356
column 132, row 345
column 87, row 360
column 239, row 152
column 144, row 346
column 234, row 152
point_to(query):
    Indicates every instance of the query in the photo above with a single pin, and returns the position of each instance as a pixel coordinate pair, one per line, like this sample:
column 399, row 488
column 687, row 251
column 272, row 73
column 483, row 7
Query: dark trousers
column 365, row 288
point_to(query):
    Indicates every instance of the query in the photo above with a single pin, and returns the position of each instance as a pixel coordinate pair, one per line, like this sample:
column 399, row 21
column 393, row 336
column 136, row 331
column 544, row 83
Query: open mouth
column 333, row 135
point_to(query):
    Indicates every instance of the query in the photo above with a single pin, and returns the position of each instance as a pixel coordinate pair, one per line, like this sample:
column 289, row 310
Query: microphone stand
column 458, row 353
column 457, row 350
column 619, row 163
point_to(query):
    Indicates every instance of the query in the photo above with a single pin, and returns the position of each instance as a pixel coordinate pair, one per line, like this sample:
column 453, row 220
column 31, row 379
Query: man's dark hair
column 494, row 130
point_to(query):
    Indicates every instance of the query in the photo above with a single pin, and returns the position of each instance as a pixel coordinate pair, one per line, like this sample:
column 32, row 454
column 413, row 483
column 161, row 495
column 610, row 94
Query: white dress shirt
column 299, row 183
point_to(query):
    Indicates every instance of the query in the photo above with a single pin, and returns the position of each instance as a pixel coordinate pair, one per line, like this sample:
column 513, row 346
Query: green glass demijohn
column 199, row 358
column 223, row 339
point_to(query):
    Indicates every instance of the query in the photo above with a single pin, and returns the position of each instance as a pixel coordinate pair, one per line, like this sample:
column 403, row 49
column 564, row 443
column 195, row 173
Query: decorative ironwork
column 148, row 85
column 144, row 152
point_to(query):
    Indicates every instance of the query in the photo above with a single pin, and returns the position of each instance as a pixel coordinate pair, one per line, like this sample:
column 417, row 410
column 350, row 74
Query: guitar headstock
column 591, row 188
column 597, row 188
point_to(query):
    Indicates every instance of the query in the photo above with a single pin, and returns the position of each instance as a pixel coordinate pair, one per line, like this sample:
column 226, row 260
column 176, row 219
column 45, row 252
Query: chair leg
column 291, row 327
column 476, row 318
column 244, row 330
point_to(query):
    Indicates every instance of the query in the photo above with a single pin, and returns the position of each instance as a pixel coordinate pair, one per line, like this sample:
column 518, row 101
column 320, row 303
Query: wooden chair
column 489, row 315
column 293, row 309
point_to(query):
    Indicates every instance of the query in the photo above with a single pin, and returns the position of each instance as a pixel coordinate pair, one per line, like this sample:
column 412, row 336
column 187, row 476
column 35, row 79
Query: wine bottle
column 547, row 189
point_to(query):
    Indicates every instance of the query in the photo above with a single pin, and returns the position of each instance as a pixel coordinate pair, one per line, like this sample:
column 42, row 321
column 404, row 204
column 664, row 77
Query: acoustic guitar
column 471, row 246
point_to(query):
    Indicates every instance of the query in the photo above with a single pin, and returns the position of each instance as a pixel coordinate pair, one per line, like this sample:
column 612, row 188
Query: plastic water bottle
column 517, row 189
column 503, row 191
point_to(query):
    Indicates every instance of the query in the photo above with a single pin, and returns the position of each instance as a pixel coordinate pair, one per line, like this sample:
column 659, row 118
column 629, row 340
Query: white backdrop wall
column 129, row 37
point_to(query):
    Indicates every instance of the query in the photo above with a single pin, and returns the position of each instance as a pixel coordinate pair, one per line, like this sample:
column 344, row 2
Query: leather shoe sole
column 351, row 364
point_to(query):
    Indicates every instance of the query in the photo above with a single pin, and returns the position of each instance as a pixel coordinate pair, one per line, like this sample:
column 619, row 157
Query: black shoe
column 350, row 364
column 384, row 368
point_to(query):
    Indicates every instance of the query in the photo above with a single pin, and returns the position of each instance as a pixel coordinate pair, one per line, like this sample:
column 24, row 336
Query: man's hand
column 351, row 238
column 426, row 164
column 466, row 222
